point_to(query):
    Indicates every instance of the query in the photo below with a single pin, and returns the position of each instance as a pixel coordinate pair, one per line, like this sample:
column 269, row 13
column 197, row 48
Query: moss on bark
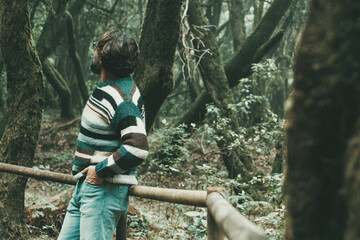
column 78, row 67
column 61, row 87
column 321, row 122
column 159, row 36
column 25, row 87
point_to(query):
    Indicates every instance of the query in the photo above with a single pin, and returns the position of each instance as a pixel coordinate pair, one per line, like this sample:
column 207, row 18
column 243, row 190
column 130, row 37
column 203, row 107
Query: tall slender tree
column 25, row 87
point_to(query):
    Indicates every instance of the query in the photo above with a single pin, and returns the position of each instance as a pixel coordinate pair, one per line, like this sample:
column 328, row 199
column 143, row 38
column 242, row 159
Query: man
column 111, row 142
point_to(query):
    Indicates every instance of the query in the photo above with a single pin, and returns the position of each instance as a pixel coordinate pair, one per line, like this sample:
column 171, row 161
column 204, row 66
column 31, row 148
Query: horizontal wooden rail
column 223, row 218
column 38, row 174
column 230, row 221
column 186, row 197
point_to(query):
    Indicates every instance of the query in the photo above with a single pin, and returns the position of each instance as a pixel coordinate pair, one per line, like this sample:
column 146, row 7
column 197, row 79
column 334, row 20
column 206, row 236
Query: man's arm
column 129, row 124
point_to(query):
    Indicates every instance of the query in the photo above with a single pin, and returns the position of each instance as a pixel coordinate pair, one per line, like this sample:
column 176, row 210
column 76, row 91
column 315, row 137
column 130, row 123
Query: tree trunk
column 1, row 91
column 213, row 13
column 61, row 87
column 217, row 86
column 53, row 30
column 322, row 176
column 237, row 23
column 78, row 67
column 25, row 87
column 240, row 64
column 50, row 37
column 258, row 11
column 352, row 184
column 159, row 36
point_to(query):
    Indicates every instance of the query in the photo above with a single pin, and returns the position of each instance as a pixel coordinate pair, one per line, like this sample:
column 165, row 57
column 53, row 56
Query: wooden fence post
column 213, row 232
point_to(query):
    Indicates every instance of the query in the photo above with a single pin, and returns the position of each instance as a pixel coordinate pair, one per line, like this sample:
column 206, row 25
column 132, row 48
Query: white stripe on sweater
column 93, row 114
column 105, row 105
column 136, row 151
column 136, row 96
column 96, row 157
column 140, row 128
column 111, row 164
column 92, row 128
column 113, row 93
column 98, row 142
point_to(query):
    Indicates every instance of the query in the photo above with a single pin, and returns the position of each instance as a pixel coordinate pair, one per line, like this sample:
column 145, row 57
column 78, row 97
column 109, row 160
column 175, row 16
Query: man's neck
column 106, row 76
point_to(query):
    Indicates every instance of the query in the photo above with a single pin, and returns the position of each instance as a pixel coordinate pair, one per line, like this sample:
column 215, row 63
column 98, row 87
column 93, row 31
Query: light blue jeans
column 94, row 211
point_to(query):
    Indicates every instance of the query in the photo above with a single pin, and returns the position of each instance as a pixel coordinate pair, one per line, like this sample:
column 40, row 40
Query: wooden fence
column 222, row 218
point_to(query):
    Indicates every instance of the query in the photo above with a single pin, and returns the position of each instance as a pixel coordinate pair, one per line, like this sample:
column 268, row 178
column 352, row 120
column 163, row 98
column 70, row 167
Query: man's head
column 116, row 52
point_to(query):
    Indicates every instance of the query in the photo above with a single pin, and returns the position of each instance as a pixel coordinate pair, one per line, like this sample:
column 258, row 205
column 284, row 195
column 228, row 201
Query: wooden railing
column 222, row 218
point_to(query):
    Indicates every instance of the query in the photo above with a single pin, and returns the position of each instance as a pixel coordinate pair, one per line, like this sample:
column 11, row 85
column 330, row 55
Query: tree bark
column 239, row 66
column 61, row 87
column 216, row 84
column 322, row 176
column 213, row 13
column 78, row 67
column 50, row 37
column 258, row 11
column 237, row 23
column 53, row 30
column 159, row 36
column 25, row 87
column 352, row 185
column 1, row 91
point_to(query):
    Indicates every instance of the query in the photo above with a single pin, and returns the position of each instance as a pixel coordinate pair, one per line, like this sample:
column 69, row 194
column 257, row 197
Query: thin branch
column 222, row 27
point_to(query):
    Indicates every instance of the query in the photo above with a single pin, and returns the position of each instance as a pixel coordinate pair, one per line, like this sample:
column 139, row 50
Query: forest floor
column 46, row 202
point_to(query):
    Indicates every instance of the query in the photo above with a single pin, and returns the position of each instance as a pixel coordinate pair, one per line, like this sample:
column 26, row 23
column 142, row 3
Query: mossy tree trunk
column 1, row 91
column 217, row 86
column 74, row 55
column 213, row 13
column 258, row 11
column 158, row 41
column 323, row 164
column 61, row 88
column 237, row 23
column 50, row 37
column 252, row 50
column 25, row 87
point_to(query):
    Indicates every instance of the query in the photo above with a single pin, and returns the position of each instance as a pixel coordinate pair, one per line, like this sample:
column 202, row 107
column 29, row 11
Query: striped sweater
column 112, row 134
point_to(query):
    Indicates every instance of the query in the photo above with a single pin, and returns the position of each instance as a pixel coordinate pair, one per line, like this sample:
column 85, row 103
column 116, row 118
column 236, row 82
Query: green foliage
column 256, row 139
column 264, row 70
column 271, row 84
column 269, row 214
column 167, row 148
column 248, row 100
column 138, row 225
column 197, row 227
column 211, row 176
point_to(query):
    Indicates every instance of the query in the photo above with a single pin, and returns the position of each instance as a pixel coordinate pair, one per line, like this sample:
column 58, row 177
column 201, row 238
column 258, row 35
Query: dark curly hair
column 118, row 52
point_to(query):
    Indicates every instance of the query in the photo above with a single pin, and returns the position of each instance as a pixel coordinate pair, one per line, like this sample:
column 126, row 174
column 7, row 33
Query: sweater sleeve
column 130, row 127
